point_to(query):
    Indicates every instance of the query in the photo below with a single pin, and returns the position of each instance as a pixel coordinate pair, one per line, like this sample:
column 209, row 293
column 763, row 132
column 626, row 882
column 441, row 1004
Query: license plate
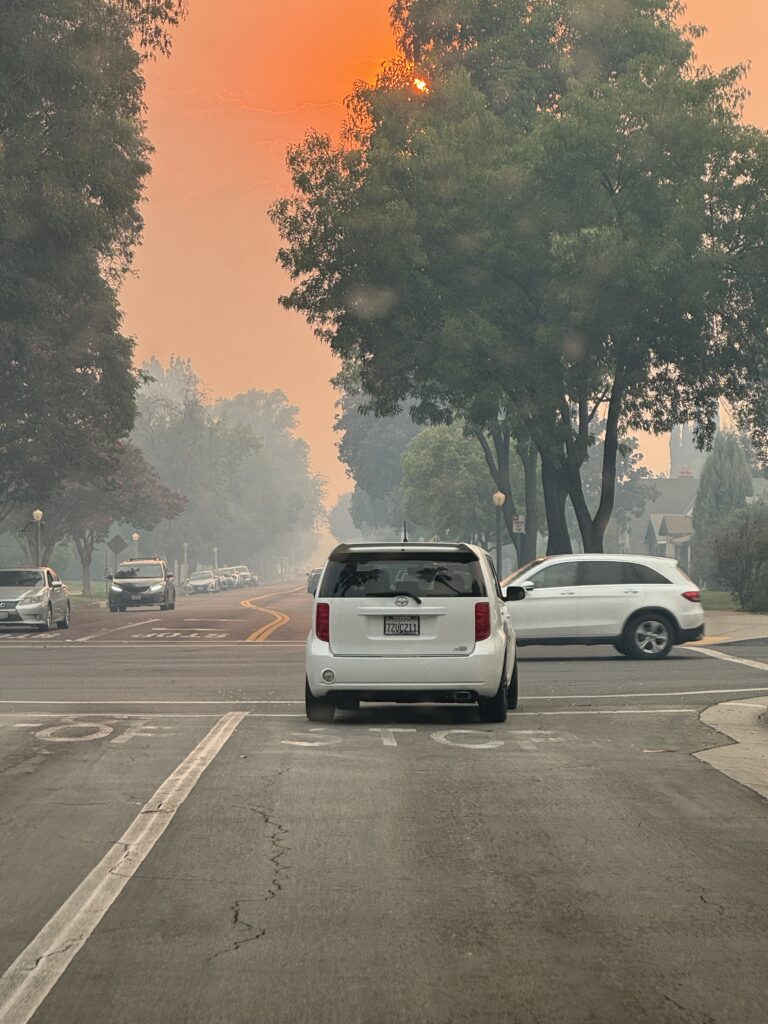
column 135, row 597
column 402, row 625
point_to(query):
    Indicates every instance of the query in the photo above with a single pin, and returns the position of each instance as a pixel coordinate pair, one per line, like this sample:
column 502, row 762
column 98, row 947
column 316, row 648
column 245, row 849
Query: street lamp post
column 37, row 517
column 498, row 500
column 215, row 558
column 135, row 537
column 186, row 561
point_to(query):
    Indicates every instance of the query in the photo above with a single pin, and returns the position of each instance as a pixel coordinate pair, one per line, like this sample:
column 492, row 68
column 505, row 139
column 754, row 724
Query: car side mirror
column 109, row 577
column 515, row 594
column 56, row 584
column 171, row 576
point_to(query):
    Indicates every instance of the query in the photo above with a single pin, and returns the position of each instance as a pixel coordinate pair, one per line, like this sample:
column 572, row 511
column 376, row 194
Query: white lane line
column 36, row 970
column 761, row 666
column 662, row 693
column 148, row 703
column 117, row 629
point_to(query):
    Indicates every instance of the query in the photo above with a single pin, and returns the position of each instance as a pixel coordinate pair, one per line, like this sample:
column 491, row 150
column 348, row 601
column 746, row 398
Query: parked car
column 203, row 582
column 247, row 578
column 642, row 605
column 313, row 578
column 229, row 578
column 142, row 581
column 34, row 597
column 409, row 623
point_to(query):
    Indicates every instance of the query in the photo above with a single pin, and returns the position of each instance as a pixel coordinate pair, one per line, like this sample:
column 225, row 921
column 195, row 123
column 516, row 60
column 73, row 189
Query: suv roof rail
column 395, row 545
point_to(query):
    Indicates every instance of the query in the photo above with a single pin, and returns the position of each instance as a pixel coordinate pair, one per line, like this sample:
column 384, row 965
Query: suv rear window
column 392, row 573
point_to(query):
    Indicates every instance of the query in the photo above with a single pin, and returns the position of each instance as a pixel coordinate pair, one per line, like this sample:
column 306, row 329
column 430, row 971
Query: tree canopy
column 565, row 223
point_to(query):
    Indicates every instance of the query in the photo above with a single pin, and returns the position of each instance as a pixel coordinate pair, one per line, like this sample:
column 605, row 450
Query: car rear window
column 392, row 573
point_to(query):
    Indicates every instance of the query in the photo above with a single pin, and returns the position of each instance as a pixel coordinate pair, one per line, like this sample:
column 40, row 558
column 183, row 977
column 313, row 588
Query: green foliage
column 726, row 483
column 447, row 486
column 740, row 556
column 154, row 21
column 568, row 224
column 73, row 162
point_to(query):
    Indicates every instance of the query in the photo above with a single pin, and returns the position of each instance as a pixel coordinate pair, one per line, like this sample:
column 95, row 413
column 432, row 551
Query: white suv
column 641, row 605
column 411, row 622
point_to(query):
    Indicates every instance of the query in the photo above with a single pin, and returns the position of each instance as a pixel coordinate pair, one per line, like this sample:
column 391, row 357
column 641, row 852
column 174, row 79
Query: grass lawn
column 719, row 601
column 76, row 595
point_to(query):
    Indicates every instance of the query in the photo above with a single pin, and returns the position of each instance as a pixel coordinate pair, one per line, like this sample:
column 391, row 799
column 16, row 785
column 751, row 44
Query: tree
column 726, row 483
column 565, row 225
column 73, row 162
column 447, row 486
column 740, row 556
column 154, row 21
column 371, row 448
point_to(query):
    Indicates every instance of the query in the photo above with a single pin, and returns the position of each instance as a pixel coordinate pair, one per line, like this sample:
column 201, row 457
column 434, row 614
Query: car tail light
column 482, row 621
column 323, row 622
column 693, row 595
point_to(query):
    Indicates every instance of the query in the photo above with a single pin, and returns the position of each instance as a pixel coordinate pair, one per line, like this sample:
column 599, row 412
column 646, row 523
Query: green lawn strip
column 719, row 601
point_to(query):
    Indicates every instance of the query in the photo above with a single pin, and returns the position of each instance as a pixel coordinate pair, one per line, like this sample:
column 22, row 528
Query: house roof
column 675, row 497
column 676, row 526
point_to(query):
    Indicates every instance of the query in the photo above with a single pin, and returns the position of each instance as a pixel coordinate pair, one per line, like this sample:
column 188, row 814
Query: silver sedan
column 33, row 597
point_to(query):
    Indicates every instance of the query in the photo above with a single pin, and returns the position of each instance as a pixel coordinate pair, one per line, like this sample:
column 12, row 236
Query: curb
column 746, row 759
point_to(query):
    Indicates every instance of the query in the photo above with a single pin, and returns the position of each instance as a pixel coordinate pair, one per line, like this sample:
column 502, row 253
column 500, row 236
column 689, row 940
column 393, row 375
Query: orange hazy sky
column 236, row 92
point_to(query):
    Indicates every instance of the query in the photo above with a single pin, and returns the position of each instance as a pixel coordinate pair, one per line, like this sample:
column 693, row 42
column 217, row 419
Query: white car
column 411, row 622
column 641, row 605
column 33, row 597
column 203, row 582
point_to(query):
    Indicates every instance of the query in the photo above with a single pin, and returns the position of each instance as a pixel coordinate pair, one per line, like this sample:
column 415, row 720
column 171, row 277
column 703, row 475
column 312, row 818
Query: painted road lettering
column 529, row 740
column 76, row 730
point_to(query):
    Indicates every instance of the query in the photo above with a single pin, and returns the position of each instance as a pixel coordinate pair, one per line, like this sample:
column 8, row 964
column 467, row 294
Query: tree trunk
column 529, row 456
column 497, row 461
column 555, row 497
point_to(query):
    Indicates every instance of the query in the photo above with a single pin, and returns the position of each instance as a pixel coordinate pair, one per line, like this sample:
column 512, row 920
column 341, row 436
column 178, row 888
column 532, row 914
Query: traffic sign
column 518, row 524
column 117, row 544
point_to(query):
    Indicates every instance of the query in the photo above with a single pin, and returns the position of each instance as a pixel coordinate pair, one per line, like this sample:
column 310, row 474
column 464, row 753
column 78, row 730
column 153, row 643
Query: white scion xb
column 408, row 623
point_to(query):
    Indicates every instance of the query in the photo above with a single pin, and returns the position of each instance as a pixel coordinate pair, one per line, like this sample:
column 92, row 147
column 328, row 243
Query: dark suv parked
column 139, row 582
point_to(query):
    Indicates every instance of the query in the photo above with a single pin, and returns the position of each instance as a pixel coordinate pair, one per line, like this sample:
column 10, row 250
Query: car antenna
column 405, row 532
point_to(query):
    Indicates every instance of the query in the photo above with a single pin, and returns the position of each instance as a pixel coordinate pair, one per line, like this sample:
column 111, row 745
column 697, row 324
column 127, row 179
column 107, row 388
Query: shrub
column 740, row 550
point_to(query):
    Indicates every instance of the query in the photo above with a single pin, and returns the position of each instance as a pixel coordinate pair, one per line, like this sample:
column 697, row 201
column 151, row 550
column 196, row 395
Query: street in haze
column 406, row 863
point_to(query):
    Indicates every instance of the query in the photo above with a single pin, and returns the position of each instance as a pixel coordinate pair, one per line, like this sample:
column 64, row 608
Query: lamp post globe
column 135, row 537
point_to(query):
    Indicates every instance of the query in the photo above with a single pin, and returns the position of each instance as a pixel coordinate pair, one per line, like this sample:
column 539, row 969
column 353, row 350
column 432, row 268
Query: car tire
column 318, row 709
column 513, row 689
column 65, row 622
column 46, row 626
column 494, row 709
column 648, row 637
column 114, row 608
column 619, row 645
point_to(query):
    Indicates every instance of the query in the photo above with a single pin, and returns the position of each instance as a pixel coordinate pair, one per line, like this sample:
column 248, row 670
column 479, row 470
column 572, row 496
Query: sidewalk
column 729, row 627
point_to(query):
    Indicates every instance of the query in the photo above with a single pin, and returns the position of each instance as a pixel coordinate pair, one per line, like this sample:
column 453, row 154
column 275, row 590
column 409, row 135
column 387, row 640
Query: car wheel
column 113, row 608
column 64, row 623
column 348, row 703
column 48, row 624
column 648, row 637
column 494, row 709
column 619, row 645
column 318, row 709
column 512, row 691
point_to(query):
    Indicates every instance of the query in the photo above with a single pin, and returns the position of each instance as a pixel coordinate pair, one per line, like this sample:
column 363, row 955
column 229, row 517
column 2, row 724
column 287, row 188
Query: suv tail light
column 323, row 622
column 482, row 621
column 693, row 595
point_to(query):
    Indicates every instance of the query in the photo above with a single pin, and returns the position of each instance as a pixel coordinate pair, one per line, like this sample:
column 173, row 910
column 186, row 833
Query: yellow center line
column 279, row 619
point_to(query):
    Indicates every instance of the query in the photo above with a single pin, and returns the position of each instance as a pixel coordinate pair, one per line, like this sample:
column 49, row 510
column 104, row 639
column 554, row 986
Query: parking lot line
column 36, row 970
column 761, row 666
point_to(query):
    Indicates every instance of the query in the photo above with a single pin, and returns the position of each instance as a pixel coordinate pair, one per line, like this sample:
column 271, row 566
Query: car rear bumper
column 688, row 636
column 479, row 672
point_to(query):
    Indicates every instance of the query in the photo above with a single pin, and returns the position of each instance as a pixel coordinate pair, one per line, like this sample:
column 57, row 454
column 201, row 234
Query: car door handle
column 567, row 593
column 631, row 591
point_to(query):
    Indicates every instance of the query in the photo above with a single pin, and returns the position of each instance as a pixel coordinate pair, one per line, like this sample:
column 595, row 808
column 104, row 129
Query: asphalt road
column 178, row 844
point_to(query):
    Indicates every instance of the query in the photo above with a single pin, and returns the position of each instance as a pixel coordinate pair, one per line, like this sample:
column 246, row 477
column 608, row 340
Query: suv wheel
column 648, row 637
column 64, row 623
column 318, row 709
column 494, row 709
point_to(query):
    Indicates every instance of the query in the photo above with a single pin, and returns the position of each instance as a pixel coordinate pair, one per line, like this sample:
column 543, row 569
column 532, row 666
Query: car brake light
column 482, row 621
column 693, row 595
column 323, row 622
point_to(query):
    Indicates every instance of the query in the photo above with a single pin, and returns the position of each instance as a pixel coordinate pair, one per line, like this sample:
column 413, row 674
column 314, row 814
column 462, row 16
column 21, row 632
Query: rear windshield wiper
column 397, row 593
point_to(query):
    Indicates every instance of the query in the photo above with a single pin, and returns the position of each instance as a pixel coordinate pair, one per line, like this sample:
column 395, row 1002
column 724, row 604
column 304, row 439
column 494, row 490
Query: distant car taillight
column 482, row 621
column 323, row 622
column 693, row 595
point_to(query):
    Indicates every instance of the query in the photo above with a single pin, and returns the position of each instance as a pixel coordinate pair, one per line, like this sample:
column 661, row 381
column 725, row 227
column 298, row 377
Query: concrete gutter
column 746, row 760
